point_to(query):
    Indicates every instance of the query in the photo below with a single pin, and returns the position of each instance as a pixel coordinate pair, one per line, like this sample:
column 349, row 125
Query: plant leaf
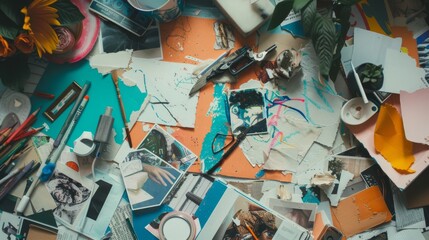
column 12, row 10
column 8, row 29
column 14, row 71
column 299, row 4
column 323, row 38
column 348, row 2
column 68, row 12
column 307, row 17
column 281, row 11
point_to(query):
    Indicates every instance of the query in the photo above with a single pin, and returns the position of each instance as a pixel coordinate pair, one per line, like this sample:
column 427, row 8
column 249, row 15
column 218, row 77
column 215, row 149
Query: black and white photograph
column 246, row 108
column 69, row 195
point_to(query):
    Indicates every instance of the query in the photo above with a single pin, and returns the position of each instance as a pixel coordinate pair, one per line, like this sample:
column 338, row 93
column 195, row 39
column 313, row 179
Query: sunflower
column 38, row 21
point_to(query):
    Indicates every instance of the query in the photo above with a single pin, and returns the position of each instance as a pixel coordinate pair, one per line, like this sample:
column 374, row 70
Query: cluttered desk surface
column 197, row 122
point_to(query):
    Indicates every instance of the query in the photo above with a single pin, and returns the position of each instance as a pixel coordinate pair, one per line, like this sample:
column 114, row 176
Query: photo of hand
column 148, row 179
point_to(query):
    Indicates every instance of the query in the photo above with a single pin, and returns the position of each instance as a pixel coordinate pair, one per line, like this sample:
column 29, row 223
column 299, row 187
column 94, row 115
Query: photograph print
column 69, row 195
column 148, row 179
column 246, row 220
column 246, row 108
column 162, row 144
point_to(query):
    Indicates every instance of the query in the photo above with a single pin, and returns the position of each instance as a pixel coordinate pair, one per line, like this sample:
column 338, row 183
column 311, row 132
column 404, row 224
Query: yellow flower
column 6, row 50
column 38, row 21
column 25, row 43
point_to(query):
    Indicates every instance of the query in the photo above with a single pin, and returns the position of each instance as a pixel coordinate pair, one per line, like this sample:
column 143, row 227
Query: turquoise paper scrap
column 101, row 94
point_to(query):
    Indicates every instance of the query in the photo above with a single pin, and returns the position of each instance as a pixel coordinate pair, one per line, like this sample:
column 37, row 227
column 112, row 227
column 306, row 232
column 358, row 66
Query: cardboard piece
column 361, row 212
column 416, row 195
column 389, row 140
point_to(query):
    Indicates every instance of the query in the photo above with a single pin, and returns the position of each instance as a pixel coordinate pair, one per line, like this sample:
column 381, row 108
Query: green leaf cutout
column 307, row 17
column 324, row 40
column 12, row 10
column 8, row 29
column 68, row 12
column 281, row 11
column 299, row 4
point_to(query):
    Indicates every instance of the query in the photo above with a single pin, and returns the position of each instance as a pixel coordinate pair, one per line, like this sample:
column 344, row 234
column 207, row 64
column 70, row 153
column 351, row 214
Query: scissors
column 235, row 63
column 235, row 142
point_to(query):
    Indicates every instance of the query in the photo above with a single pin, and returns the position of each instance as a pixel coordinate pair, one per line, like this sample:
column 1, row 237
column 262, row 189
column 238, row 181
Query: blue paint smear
column 320, row 90
column 101, row 94
column 218, row 126
column 260, row 173
column 310, row 198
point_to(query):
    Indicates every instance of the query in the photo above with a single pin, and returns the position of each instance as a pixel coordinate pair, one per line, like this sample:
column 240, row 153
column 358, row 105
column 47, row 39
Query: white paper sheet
column 169, row 89
column 400, row 73
column 371, row 47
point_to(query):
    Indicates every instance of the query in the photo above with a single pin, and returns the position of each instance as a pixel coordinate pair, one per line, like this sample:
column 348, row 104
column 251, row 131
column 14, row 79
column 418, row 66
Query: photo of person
column 69, row 196
column 11, row 227
column 148, row 179
column 11, row 231
column 165, row 146
column 246, row 220
column 246, row 108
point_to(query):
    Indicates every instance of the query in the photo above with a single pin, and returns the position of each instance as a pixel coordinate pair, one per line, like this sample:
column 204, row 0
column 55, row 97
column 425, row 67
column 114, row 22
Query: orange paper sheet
column 360, row 212
column 192, row 37
column 390, row 141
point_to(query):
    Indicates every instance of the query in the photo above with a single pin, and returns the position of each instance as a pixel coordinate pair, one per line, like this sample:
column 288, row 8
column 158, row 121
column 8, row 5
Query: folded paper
column 390, row 141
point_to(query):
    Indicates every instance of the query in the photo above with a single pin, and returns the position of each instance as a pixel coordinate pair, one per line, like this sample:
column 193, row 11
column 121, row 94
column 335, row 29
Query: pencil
column 23, row 126
column 44, row 95
column 251, row 231
column 121, row 105
column 28, row 133
column 5, row 134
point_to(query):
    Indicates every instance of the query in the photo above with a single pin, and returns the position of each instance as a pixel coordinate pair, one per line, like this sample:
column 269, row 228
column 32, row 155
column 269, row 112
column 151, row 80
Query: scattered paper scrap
column 390, row 141
column 323, row 179
column 106, row 62
column 335, row 191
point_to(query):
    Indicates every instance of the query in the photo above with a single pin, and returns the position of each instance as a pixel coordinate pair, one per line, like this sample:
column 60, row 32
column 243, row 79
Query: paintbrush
column 121, row 105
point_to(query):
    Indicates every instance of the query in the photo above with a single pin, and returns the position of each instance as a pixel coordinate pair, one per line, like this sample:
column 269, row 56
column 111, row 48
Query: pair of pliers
column 234, row 64
column 245, row 57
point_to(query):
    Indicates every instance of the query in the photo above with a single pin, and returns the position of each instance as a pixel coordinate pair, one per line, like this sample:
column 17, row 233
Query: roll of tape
column 177, row 225
column 14, row 102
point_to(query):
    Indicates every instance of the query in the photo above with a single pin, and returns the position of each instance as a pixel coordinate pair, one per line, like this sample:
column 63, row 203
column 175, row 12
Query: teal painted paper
column 101, row 94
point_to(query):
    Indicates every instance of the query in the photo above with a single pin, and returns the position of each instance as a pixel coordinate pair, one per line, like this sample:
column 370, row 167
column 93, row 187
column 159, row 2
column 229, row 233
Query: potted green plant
column 321, row 27
column 370, row 75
